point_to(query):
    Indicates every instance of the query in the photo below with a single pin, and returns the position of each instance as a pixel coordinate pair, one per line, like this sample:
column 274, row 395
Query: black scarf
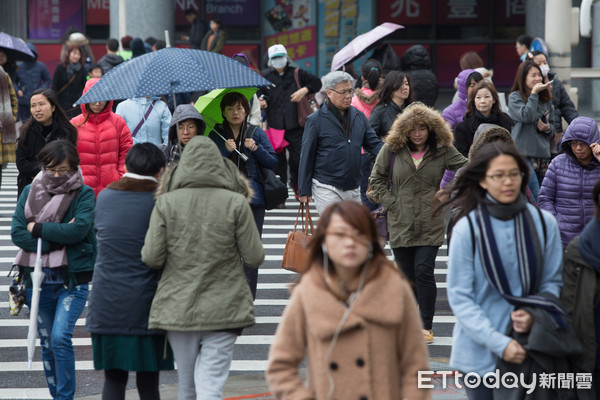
column 239, row 142
column 73, row 69
column 490, row 119
column 529, row 253
column 343, row 118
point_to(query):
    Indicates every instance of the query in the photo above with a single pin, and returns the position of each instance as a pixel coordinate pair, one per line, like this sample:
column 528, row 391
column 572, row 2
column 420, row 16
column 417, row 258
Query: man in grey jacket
column 329, row 168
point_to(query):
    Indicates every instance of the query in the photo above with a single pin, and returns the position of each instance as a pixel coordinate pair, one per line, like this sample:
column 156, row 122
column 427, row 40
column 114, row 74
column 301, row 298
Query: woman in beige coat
column 420, row 142
column 364, row 337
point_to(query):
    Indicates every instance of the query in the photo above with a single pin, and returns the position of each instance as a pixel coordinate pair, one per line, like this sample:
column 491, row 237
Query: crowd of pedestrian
column 176, row 283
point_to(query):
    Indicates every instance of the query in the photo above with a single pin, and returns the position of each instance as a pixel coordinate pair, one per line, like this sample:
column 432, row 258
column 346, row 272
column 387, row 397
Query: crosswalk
column 251, row 350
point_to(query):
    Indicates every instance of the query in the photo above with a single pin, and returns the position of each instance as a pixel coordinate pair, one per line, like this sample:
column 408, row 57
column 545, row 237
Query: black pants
column 418, row 265
column 252, row 273
column 115, row 384
column 294, row 138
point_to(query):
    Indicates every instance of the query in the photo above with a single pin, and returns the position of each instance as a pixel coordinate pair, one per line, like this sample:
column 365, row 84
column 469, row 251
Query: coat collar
column 327, row 311
column 133, row 185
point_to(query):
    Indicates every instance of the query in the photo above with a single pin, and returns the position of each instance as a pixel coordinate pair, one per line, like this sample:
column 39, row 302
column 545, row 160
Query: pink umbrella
column 276, row 138
column 361, row 44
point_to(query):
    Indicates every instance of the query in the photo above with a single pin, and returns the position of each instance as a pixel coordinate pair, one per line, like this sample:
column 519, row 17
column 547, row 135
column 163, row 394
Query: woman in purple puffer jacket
column 567, row 187
column 465, row 81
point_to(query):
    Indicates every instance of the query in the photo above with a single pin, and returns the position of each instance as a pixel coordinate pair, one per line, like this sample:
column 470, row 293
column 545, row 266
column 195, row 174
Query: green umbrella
column 209, row 105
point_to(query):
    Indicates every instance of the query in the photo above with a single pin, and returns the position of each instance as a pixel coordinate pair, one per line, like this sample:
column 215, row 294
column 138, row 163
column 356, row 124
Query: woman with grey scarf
column 69, row 80
column 58, row 208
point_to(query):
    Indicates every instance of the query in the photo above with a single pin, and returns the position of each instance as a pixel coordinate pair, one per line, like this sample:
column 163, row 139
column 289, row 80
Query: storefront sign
column 49, row 19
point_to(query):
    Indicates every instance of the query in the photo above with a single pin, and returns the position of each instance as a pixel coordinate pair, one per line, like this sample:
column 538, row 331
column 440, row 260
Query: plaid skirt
column 9, row 153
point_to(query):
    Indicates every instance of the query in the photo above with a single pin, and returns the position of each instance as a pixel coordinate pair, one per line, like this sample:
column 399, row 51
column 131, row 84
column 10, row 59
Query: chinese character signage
column 340, row 21
column 405, row 12
column 463, row 12
column 509, row 12
column 291, row 23
column 49, row 19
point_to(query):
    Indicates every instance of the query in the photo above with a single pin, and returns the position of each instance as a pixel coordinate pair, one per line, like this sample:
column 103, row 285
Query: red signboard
column 405, row 12
column 97, row 12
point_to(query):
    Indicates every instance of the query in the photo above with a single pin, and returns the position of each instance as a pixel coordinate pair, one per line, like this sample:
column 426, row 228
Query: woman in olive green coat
column 421, row 143
column 201, row 233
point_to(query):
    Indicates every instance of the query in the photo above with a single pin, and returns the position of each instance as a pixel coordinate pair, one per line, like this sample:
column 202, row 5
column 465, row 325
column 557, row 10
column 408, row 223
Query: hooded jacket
column 329, row 155
column 365, row 98
column 173, row 148
column 377, row 355
column 201, row 233
column 411, row 200
column 32, row 75
column 103, row 142
column 417, row 64
column 109, row 61
column 567, row 187
column 454, row 113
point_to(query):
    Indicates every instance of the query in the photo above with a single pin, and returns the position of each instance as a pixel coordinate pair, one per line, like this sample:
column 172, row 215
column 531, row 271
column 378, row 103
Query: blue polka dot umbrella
column 171, row 70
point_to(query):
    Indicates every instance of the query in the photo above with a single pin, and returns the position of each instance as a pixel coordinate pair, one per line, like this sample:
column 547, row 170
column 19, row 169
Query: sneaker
column 428, row 336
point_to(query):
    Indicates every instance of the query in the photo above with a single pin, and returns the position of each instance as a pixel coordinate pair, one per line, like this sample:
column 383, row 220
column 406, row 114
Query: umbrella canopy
column 172, row 70
column 37, row 276
column 361, row 44
column 15, row 48
column 209, row 105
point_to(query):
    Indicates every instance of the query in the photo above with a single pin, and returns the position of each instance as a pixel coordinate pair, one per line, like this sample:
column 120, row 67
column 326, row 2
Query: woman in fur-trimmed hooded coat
column 421, row 142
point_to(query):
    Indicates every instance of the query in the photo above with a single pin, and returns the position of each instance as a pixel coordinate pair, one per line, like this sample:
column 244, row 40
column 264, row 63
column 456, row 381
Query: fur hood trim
column 416, row 114
column 368, row 96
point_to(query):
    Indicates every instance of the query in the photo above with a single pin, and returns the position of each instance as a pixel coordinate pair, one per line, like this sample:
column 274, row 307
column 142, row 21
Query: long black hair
column 61, row 126
column 392, row 82
column 468, row 192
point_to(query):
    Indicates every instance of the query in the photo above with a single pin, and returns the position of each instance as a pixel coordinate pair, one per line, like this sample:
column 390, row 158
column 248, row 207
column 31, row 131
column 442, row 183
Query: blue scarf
column 529, row 254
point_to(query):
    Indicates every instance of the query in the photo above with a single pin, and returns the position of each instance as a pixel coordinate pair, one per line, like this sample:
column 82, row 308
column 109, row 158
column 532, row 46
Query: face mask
column 523, row 57
column 279, row 62
column 545, row 69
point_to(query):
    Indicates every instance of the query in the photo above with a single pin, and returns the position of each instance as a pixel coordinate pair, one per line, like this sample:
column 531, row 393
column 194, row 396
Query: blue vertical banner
column 340, row 21
column 292, row 24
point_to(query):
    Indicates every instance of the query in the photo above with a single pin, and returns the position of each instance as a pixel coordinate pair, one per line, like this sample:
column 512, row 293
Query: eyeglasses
column 358, row 238
column 576, row 143
column 502, row 177
column 60, row 172
column 344, row 93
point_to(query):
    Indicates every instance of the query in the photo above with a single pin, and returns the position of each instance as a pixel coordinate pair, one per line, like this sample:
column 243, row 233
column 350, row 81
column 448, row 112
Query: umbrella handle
column 39, row 248
column 244, row 157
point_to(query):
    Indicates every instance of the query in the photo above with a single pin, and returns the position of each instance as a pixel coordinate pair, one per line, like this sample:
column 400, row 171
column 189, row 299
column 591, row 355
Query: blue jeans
column 58, row 312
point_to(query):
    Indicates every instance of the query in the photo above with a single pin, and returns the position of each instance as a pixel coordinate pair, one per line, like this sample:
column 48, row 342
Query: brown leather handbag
column 296, row 246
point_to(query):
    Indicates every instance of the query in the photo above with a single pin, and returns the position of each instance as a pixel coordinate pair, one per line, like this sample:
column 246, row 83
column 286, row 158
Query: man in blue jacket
column 329, row 168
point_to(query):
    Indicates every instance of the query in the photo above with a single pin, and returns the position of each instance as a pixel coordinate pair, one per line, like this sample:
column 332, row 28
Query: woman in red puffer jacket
column 103, row 142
